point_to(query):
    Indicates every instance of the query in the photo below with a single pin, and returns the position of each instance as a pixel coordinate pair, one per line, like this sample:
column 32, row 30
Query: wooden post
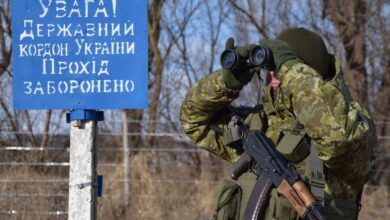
column 126, row 155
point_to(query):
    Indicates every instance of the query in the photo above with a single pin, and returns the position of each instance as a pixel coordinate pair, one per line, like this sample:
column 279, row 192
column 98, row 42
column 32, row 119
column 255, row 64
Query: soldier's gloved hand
column 237, row 78
column 281, row 51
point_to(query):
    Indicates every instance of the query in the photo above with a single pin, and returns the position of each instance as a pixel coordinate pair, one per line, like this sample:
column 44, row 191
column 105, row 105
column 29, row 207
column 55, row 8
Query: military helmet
column 310, row 47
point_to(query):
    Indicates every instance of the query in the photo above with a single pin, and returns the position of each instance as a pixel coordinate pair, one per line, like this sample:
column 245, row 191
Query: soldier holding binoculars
column 307, row 114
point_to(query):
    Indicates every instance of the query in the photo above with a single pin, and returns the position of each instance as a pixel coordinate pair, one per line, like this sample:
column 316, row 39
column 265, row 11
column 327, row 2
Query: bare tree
column 350, row 18
column 378, row 37
column 254, row 12
column 13, row 118
column 173, row 26
column 378, row 63
column 156, row 63
column 5, row 63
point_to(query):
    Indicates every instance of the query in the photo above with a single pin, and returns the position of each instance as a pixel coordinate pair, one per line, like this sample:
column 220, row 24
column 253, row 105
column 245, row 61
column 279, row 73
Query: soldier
column 306, row 112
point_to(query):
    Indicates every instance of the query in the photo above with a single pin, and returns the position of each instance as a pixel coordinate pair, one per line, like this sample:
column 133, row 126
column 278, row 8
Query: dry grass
column 376, row 204
column 172, row 186
column 17, row 197
column 166, row 187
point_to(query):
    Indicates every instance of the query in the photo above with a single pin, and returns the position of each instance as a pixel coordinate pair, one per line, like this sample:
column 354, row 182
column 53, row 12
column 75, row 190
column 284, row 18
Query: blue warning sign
column 80, row 54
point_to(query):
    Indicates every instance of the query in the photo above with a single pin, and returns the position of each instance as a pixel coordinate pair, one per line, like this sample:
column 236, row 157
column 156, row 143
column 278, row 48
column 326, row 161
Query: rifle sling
column 317, row 176
column 259, row 198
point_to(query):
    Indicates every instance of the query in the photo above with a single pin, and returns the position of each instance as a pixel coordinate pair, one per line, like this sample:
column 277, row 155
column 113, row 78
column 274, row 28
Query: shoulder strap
column 269, row 107
column 317, row 177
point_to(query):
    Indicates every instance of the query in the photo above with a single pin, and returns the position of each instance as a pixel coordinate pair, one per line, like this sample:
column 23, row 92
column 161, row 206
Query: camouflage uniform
column 324, row 108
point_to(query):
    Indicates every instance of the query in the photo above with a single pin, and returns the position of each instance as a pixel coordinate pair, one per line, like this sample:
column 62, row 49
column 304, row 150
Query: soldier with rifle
column 304, row 152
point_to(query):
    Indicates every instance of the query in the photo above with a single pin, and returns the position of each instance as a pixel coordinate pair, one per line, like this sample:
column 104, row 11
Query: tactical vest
column 299, row 150
column 296, row 147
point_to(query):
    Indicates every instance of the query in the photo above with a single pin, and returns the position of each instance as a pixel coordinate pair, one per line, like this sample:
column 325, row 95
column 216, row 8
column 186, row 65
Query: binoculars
column 259, row 56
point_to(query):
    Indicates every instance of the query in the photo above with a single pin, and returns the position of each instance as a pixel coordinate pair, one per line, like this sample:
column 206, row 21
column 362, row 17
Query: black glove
column 237, row 78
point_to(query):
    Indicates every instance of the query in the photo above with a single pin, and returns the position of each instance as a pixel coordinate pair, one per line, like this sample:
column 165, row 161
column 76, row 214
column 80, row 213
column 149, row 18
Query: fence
column 165, row 182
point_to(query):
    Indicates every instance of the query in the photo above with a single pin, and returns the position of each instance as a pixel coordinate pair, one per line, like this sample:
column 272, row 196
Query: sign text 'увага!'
column 80, row 54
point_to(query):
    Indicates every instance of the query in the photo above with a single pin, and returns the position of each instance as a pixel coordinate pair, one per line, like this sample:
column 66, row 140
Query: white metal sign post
column 82, row 55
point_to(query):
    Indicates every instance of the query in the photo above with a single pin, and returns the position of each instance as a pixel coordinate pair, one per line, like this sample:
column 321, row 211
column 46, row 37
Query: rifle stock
column 298, row 196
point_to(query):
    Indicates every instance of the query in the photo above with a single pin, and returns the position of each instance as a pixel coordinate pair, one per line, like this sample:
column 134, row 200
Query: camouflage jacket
column 324, row 108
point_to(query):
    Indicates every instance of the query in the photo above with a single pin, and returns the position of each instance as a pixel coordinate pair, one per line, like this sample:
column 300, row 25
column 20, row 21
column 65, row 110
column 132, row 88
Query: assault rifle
column 273, row 171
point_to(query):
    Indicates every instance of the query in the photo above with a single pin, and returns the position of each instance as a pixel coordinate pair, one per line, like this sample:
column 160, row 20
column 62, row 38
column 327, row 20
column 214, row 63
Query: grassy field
column 179, row 183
